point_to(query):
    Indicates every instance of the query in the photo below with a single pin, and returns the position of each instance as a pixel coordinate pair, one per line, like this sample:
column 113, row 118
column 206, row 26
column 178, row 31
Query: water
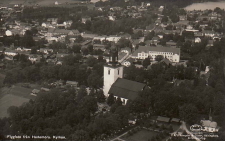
column 206, row 5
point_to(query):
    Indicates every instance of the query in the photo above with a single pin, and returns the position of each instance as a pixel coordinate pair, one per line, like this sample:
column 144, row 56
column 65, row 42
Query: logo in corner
column 196, row 128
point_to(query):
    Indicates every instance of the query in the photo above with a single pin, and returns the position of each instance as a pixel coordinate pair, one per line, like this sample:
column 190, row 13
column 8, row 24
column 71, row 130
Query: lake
column 206, row 5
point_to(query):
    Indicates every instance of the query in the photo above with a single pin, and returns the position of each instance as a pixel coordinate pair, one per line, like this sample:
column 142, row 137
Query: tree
column 82, row 92
column 146, row 62
column 110, row 100
column 91, row 61
column 80, row 135
column 90, row 48
column 94, row 80
column 159, row 58
column 150, row 35
column 84, row 51
column 79, row 39
column 100, row 96
column 75, row 49
column 164, row 19
column 33, row 51
column 27, row 40
column 119, row 101
column 124, row 43
column 188, row 113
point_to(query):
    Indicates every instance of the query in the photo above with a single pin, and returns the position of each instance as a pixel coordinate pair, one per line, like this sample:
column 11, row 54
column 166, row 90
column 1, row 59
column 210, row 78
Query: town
column 111, row 70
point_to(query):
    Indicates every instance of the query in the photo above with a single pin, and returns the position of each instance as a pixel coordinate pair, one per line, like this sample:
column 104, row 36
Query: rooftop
column 146, row 49
column 126, row 88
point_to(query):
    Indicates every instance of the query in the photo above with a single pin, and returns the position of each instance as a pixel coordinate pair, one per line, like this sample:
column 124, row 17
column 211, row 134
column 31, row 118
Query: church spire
column 113, row 59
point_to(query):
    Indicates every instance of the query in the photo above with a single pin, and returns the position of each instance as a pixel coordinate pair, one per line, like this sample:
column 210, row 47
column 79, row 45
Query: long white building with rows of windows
column 173, row 54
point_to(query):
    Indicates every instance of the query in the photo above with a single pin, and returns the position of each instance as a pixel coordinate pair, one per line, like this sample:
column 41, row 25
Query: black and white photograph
column 112, row 70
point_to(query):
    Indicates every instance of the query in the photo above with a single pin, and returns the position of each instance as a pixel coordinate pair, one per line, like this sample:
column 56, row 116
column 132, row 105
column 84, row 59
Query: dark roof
column 175, row 120
column 166, row 61
column 126, row 88
column 163, row 119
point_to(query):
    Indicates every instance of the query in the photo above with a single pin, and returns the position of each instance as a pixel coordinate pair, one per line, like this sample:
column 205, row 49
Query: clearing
column 10, row 100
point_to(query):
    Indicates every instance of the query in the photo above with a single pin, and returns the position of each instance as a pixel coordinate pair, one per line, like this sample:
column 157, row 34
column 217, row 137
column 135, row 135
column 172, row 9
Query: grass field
column 2, row 77
column 10, row 100
column 142, row 135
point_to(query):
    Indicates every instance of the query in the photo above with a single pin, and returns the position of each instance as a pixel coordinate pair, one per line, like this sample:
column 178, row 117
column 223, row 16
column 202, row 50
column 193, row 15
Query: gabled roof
column 126, row 88
column 163, row 119
column 166, row 61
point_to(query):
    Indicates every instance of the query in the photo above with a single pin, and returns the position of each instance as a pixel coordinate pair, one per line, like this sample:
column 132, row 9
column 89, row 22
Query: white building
column 116, row 85
column 112, row 18
column 112, row 72
column 10, row 52
column 209, row 126
column 8, row 33
column 173, row 54
column 198, row 40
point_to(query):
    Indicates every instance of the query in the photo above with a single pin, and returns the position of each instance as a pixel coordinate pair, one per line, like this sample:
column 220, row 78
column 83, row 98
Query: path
column 118, row 138
column 184, row 127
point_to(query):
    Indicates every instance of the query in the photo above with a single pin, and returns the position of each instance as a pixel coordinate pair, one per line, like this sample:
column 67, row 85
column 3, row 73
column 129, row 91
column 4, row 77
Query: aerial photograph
column 112, row 70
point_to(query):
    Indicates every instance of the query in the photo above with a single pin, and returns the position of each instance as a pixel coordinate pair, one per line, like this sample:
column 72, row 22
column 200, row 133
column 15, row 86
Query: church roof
column 126, row 88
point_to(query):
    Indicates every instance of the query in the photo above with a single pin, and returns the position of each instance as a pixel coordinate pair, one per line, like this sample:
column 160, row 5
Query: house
column 209, row 126
column 132, row 119
column 135, row 42
column 99, row 46
column 126, row 50
column 155, row 40
column 35, row 92
column 171, row 44
column 128, row 62
column 183, row 17
column 45, row 89
column 175, row 120
column 113, row 38
column 112, row 18
column 46, row 50
column 8, row 33
column 85, row 19
column 34, row 58
column 56, row 3
column 214, row 16
column 53, row 21
column 198, row 34
column 10, row 52
column 72, row 83
column 163, row 119
column 198, row 40
column 209, row 33
column 161, row 8
column 173, row 54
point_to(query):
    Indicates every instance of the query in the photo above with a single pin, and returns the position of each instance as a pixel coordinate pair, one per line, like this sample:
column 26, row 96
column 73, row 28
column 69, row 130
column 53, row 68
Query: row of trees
column 71, row 69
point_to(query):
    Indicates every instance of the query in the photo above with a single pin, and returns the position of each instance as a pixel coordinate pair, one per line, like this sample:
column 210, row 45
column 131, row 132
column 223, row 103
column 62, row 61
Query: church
column 115, row 84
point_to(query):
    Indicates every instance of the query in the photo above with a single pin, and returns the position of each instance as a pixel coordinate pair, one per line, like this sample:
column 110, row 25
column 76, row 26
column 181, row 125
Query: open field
column 10, row 100
column 142, row 135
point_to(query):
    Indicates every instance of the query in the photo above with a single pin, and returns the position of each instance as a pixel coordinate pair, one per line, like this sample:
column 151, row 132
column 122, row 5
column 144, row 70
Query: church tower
column 112, row 71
